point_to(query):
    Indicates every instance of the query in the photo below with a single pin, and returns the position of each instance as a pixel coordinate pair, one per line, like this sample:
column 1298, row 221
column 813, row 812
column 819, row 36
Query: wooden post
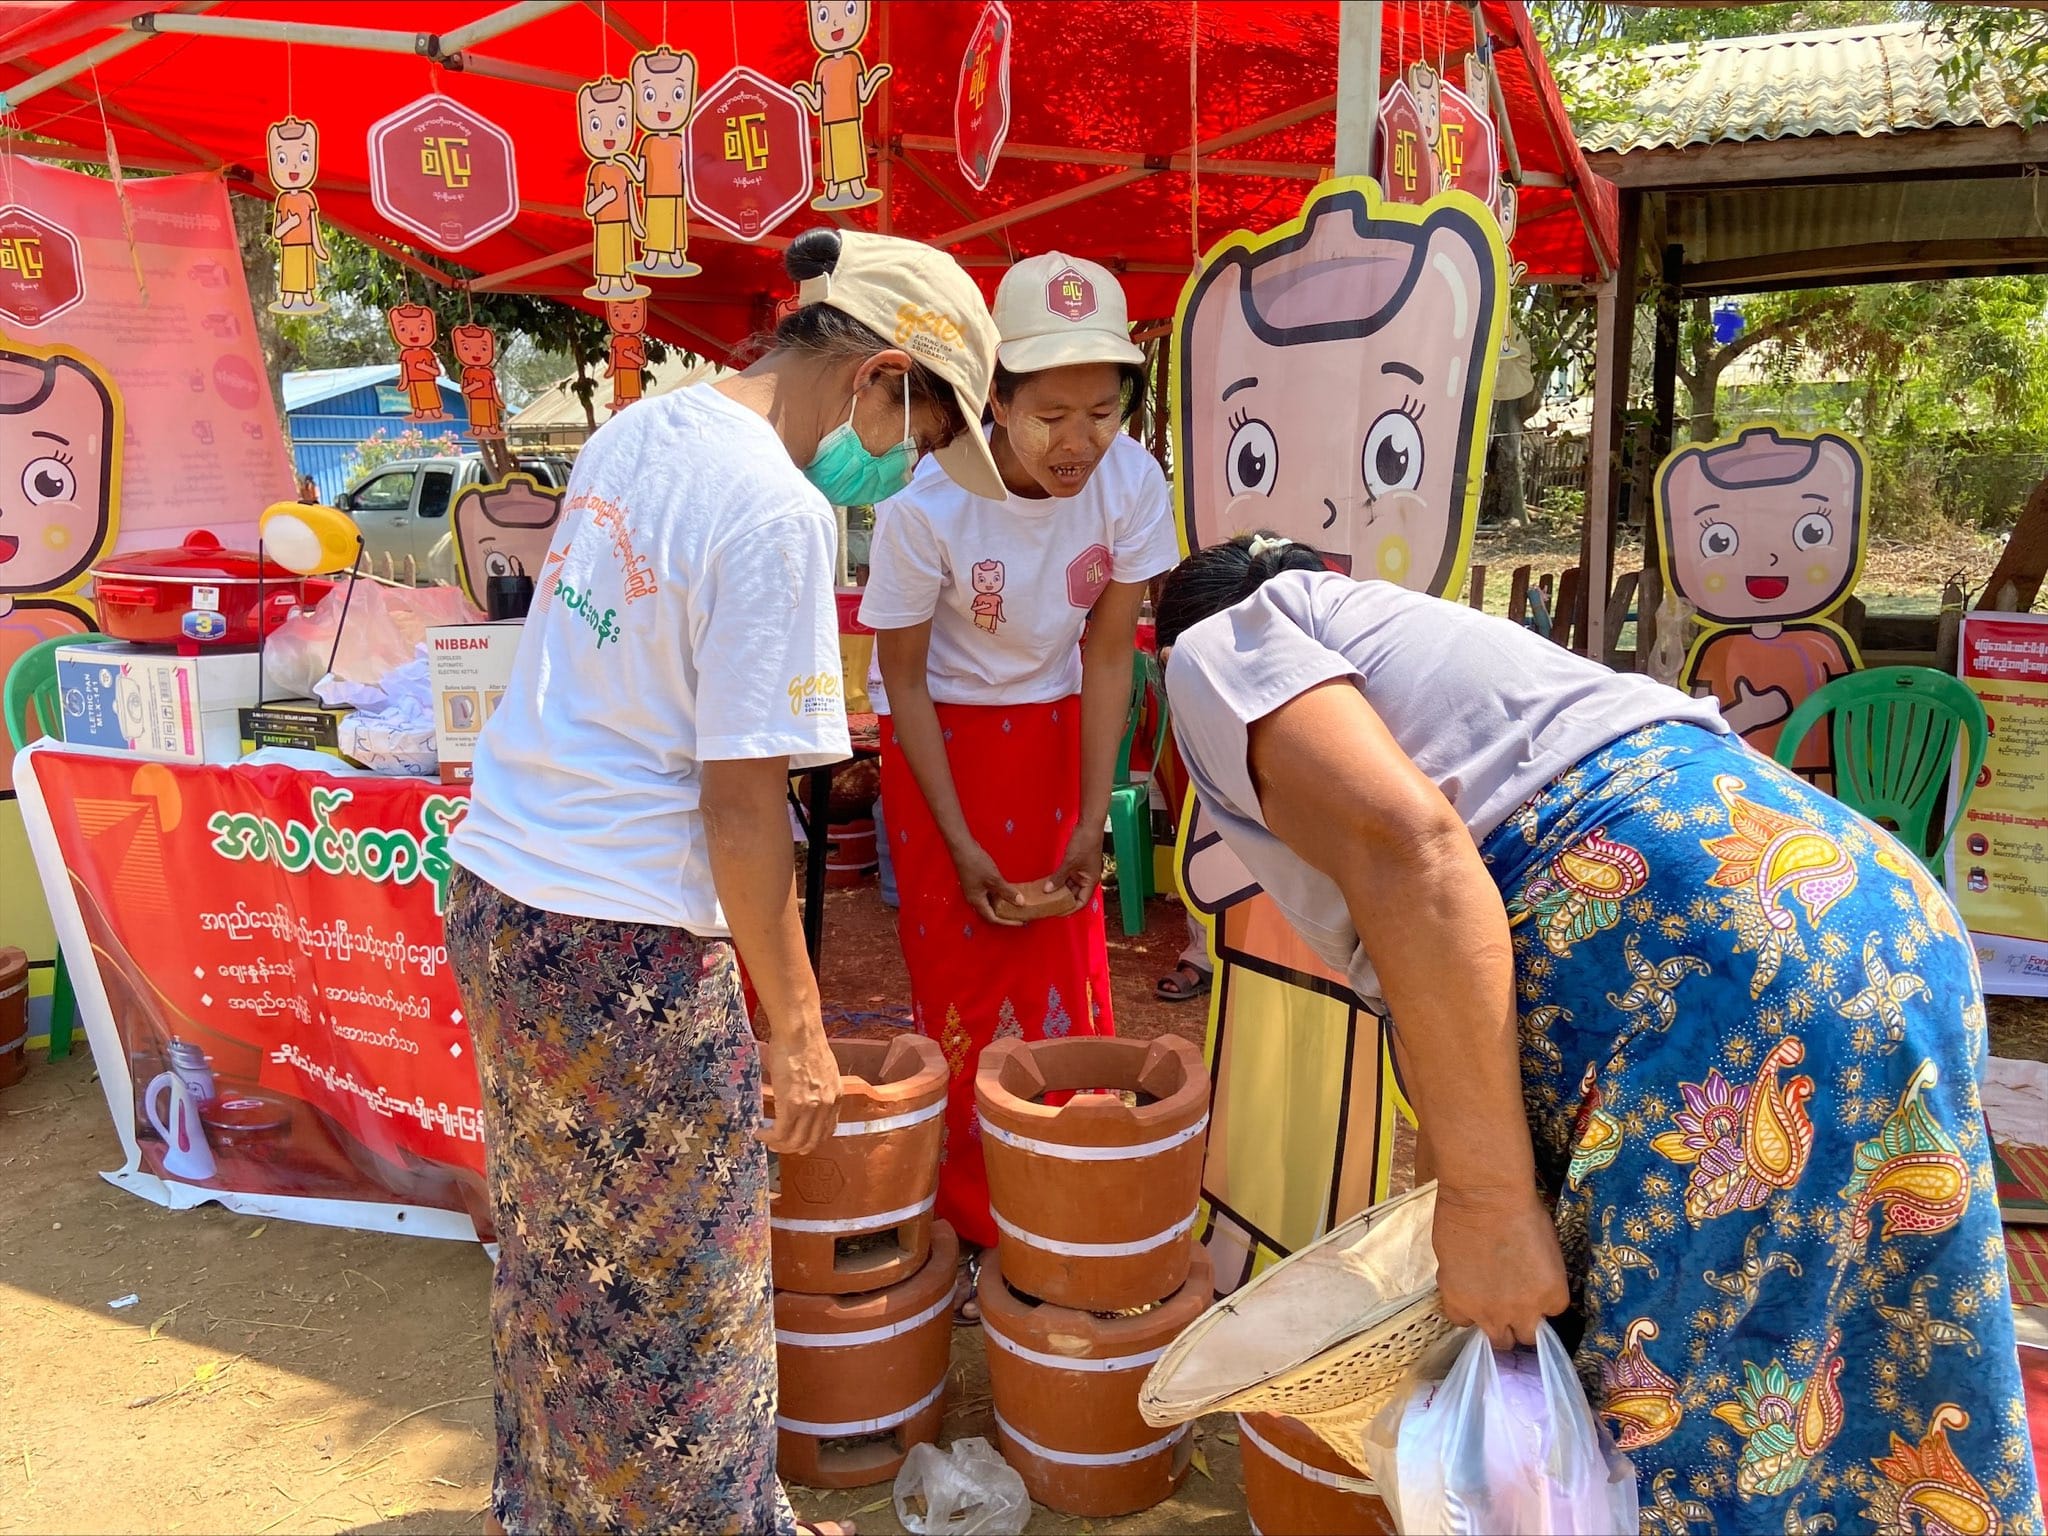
column 1948, row 629
column 1615, row 314
column 1663, row 429
column 1518, row 595
column 1475, row 591
column 1358, row 85
column 1625, row 589
column 1570, row 617
column 2024, row 562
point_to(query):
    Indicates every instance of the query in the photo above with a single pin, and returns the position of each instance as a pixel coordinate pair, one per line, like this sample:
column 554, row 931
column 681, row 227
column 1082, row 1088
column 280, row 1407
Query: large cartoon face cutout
column 292, row 154
column 60, row 467
column 503, row 530
column 1764, row 527
column 1334, row 381
column 664, row 89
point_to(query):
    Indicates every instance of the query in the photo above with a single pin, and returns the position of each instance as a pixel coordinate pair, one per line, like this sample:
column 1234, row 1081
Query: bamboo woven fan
column 1324, row 1336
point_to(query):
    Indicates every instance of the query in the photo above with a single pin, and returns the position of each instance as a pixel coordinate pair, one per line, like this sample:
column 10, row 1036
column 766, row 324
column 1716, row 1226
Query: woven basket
column 1325, row 1336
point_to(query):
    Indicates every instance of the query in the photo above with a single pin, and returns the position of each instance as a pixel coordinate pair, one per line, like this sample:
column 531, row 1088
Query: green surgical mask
column 849, row 476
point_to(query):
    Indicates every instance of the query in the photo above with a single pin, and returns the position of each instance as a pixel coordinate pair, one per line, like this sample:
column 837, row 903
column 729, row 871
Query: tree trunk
column 1703, row 387
column 585, row 386
column 2025, row 558
column 1504, row 497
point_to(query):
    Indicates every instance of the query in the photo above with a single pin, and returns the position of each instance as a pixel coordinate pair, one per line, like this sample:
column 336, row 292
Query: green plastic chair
column 32, row 685
column 1130, row 803
column 1895, row 734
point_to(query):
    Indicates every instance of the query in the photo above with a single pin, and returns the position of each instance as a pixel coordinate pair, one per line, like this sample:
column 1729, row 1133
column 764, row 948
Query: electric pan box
column 155, row 703
column 468, row 666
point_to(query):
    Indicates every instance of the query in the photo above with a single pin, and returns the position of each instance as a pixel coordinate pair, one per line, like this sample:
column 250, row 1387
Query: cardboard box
column 469, row 666
column 306, row 724
column 155, row 703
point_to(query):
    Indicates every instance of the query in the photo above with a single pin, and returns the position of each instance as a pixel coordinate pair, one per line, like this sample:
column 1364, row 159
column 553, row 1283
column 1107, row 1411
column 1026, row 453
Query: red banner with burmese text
column 272, row 975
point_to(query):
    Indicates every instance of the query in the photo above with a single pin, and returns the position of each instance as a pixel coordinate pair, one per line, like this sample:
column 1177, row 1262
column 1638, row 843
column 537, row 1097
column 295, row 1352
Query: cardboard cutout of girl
column 1398, row 310
column 604, row 127
column 292, row 156
column 838, row 92
column 664, row 94
column 476, row 351
column 414, row 328
column 1763, row 533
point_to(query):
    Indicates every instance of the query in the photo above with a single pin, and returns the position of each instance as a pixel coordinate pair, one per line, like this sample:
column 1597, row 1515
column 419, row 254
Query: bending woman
column 626, row 831
column 999, row 751
column 1742, row 1024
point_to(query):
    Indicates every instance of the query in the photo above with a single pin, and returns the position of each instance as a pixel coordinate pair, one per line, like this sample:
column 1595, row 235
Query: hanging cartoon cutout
column 502, row 530
column 476, row 354
column 664, row 86
column 604, row 125
column 838, row 93
column 1399, row 309
column 414, row 328
column 60, row 486
column 1763, row 533
column 292, row 156
column 627, row 361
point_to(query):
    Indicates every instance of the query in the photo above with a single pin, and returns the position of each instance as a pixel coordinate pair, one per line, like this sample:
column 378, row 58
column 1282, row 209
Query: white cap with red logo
column 1054, row 311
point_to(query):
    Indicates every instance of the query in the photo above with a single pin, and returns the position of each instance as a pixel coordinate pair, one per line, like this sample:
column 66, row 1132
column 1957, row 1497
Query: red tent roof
column 1101, row 92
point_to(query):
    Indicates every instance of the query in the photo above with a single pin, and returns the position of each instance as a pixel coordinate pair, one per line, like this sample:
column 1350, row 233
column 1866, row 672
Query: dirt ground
column 274, row 1377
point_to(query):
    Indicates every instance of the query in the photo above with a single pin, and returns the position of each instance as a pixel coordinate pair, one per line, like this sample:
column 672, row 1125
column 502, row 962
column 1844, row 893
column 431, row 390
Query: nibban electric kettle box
column 468, row 665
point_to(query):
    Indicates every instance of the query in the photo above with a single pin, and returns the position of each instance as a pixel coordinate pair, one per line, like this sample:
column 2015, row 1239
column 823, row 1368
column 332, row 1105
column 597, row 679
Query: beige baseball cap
column 1056, row 310
column 921, row 300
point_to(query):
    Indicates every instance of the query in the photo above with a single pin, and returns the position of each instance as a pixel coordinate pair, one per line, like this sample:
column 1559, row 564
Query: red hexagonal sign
column 981, row 104
column 748, row 153
column 444, row 173
column 41, row 272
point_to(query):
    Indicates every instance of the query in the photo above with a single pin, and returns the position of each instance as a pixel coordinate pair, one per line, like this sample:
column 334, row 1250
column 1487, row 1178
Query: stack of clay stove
column 864, row 1276
column 1096, row 1270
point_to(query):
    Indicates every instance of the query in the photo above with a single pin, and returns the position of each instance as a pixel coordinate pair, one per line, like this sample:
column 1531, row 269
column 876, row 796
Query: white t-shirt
column 684, row 615
column 1008, row 585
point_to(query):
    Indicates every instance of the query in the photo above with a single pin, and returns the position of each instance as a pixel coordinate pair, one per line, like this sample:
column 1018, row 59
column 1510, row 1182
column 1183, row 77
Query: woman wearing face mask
column 1000, row 749
column 626, row 832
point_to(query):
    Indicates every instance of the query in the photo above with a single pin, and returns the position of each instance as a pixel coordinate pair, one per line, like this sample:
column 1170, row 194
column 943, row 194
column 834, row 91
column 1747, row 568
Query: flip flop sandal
column 970, row 1283
column 1171, row 989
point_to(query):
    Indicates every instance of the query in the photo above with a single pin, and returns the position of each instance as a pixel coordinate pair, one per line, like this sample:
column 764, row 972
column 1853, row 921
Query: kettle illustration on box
column 187, row 1085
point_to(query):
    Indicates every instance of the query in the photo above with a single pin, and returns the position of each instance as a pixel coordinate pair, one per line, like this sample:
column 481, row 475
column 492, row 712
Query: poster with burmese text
column 1998, row 858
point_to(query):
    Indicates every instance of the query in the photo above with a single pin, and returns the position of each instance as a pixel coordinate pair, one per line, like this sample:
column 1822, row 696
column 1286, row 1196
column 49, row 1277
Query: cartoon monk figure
column 476, row 349
column 1763, row 533
column 414, row 328
column 838, row 91
column 604, row 122
column 61, row 424
column 1396, row 309
column 293, row 157
column 987, row 576
column 628, row 318
column 664, row 90
column 502, row 530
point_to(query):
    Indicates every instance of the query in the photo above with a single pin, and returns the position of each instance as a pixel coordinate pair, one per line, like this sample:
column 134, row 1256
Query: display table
column 274, row 934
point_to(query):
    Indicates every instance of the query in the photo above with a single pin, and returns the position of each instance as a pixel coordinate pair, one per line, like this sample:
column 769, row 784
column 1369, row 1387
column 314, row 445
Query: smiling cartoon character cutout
column 60, row 479
column 414, row 328
column 1333, row 382
column 604, row 127
column 292, row 157
column 664, row 94
column 838, row 92
column 476, row 350
column 502, row 530
column 1763, row 533
column 626, row 359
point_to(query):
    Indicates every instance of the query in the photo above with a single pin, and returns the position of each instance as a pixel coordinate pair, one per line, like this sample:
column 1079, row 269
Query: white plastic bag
column 1500, row 1443
column 969, row 1491
column 384, row 630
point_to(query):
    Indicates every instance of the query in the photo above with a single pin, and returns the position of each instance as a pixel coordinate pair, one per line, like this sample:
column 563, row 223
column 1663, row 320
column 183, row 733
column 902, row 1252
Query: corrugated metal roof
column 313, row 385
column 1851, row 80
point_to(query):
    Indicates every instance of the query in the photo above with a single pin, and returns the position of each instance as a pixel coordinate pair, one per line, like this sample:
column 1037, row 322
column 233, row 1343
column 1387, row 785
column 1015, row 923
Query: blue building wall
column 326, row 433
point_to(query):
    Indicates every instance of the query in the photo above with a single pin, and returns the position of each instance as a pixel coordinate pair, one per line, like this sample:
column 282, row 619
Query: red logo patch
column 1070, row 295
column 1088, row 575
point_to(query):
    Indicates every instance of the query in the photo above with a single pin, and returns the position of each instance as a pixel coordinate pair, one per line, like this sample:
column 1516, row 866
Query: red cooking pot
column 227, row 599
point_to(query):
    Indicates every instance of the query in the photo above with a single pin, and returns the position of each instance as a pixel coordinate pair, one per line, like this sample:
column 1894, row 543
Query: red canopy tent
column 1109, row 98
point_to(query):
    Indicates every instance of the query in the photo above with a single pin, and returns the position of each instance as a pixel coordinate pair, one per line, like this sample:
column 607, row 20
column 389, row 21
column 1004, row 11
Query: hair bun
column 811, row 254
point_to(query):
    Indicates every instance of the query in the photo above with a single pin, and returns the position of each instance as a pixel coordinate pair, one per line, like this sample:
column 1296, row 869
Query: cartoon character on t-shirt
column 1763, row 533
column 1392, row 313
column 987, row 576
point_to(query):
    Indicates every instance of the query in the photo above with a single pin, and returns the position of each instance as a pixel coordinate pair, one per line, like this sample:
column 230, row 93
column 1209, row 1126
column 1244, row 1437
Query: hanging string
column 1195, row 130
column 733, row 7
column 289, row 94
column 664, row 23
column 120, row 188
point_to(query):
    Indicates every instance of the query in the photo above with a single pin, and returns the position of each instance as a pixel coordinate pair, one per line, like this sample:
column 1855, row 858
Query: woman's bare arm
column 1336, row 789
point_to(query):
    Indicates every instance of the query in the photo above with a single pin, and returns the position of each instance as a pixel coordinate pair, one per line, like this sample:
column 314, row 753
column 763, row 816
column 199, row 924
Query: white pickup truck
column 402, row 509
